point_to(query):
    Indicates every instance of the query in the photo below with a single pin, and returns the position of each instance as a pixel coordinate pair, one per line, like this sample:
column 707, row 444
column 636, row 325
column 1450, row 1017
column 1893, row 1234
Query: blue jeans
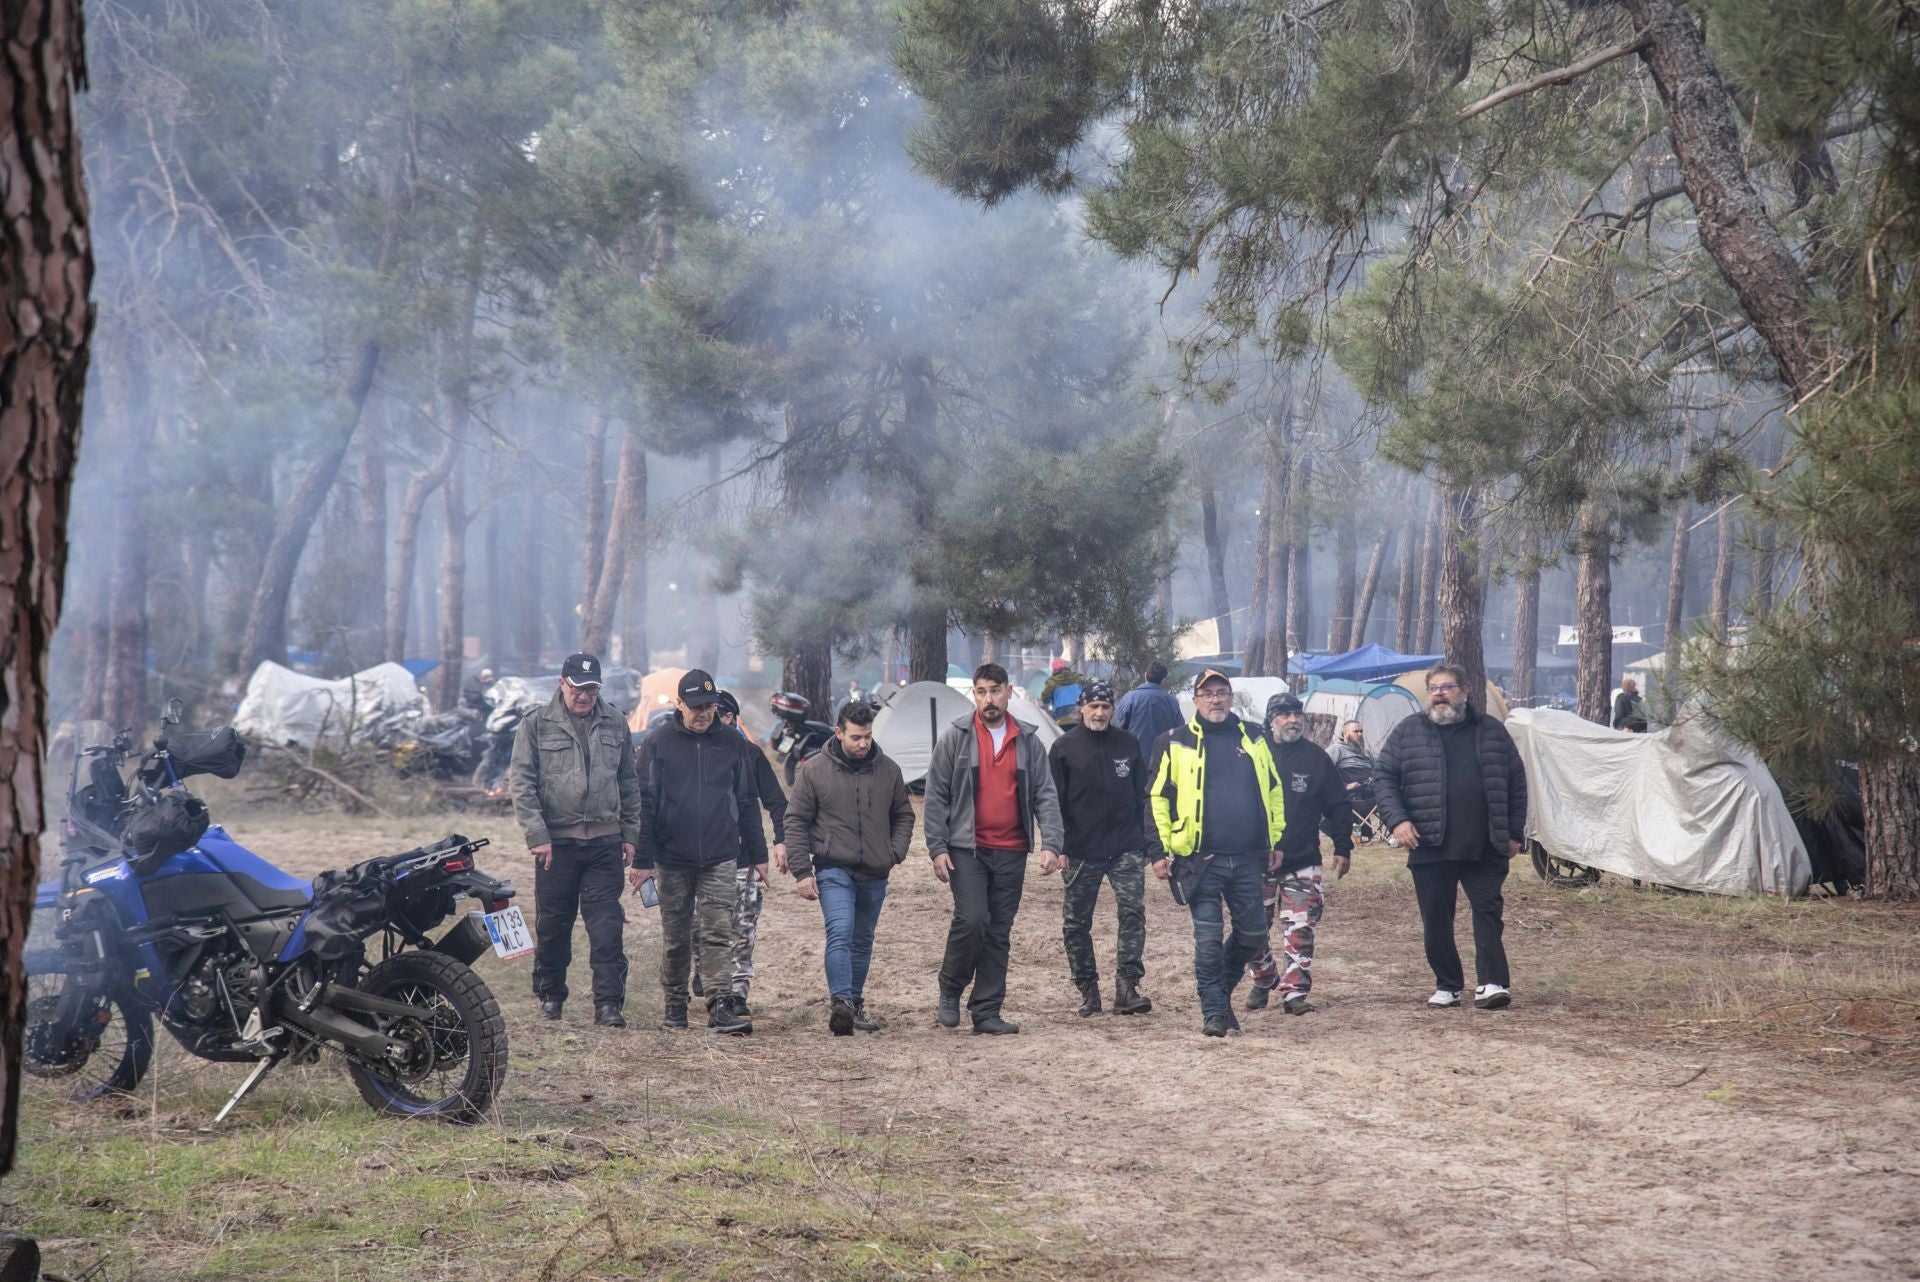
column 1236, row 880
column 852, row 909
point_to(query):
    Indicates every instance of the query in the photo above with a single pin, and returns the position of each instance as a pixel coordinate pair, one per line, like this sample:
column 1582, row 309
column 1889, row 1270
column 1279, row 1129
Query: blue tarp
column 419, row 667
column 1368, row 663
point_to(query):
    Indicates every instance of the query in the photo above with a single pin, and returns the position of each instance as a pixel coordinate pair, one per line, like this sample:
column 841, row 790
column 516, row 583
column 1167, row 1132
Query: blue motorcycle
column 158, row 915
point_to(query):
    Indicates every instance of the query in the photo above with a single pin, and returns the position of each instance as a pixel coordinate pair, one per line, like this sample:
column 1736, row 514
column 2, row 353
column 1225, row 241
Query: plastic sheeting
column 1681, row 807
column 283, row 707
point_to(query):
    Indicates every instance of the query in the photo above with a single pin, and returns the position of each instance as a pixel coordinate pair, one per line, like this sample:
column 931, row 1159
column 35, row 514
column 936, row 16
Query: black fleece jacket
column 698, row 802
column 1102, row 782
column 1316, row 802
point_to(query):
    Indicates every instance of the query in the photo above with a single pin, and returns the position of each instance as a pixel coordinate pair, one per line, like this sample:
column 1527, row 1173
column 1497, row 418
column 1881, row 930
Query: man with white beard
column 1295, row 895
column 1451, row 786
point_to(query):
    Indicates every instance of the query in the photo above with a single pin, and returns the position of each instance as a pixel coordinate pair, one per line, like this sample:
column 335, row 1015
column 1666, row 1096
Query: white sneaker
column 1490, row 997
column 1444, row 997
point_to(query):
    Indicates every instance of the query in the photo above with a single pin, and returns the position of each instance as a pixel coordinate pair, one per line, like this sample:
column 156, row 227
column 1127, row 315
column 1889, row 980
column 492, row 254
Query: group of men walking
column 1228, row 812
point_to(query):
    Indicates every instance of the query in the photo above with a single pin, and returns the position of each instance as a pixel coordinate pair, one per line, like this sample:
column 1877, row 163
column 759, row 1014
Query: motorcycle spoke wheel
column 457, row 1040
column 109, row 1055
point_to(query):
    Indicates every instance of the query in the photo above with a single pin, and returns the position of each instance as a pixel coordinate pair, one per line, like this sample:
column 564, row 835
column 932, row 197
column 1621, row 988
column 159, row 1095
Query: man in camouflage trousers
column 1101, row 777
column 749, row 895
column 1316, row 798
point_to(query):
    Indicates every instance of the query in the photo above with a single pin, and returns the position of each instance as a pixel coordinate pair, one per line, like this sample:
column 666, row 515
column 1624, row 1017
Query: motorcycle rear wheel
column 118, row 1057
column 461, row 1034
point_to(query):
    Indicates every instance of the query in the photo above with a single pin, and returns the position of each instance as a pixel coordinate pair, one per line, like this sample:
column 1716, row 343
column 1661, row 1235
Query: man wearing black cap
column 700, row 822
column 1102, row 781
column 1218, row 816
column 748, row 894
column 576, row 795
column 1316, row 802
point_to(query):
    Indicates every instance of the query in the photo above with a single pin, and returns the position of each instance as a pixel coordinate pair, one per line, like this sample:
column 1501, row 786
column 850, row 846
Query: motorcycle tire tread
column 486, row 1030
column 138, row 1056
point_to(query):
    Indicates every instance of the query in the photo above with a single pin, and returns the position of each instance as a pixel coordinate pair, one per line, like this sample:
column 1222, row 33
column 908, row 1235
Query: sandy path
column 1369, row 1139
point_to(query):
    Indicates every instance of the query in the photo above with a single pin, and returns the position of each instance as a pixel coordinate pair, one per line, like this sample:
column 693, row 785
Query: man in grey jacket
column 988, row 785
column 576, row 796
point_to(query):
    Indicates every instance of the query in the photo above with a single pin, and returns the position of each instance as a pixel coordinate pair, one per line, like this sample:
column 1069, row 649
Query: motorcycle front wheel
column 457, row 1041
column 107, row 1051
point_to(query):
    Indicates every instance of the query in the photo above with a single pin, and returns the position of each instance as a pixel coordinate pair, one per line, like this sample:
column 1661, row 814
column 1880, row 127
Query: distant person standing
column 1218, row 816
column 988, row 788
column 1101, row 777
column 1451, row 786
column 700, row 823
column 1629, row 710
column 1147, row 711
column 749, row 894
column 851, row 823
column 1295, row 892
column 576, row 796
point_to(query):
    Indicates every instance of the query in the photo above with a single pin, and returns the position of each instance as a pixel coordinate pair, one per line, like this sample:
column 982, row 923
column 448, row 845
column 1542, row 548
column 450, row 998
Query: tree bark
column 1676, row 598
column 594, row 546
column 1430, row 550
column 624, row 533
column 1890, row 799
column 453, row 589
column 1300, row 556
column 527, row 630
column 1346, row 550
column 1463, row 591
column 1720, row 605
column 1406, row 606
column 127, row 628
column 46, row 271
column 372, row 532
column 1219, row 601
column 406, row 541
column 926, row 611
column 1363, row 608
column 1253, row 662
column 1593, row 591
column 807, row 667
column 1273, row 643
column 1526, row 628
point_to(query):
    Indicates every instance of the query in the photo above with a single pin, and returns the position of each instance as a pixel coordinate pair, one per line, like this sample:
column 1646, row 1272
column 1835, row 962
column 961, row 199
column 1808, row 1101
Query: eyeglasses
column 1213, row 694
column 1446, row 687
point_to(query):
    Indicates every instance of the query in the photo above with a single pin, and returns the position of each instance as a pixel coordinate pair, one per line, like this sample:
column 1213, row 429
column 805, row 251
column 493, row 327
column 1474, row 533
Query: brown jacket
column 848, row 814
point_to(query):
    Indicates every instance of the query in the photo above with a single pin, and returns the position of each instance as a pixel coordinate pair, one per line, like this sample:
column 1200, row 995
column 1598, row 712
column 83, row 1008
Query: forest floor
column 1683, row 1088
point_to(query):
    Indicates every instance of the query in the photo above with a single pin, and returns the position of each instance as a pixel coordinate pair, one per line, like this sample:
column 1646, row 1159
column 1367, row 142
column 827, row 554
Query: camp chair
column 1368, row 826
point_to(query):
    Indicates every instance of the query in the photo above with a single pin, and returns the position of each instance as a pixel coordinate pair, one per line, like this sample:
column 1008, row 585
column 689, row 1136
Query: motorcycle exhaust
column 466, row 941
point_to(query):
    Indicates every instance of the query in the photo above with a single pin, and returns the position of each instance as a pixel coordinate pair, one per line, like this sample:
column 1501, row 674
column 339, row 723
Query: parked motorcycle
column 796, row 737
column 156, row 914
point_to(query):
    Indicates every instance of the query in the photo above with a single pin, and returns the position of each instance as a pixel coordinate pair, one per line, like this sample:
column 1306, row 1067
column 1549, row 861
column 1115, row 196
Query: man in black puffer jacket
column 1451, row 787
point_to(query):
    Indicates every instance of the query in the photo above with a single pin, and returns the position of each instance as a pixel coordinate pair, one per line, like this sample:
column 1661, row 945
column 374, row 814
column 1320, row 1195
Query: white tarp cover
column 1681, row 807
column 284, row 707
column 912, row 721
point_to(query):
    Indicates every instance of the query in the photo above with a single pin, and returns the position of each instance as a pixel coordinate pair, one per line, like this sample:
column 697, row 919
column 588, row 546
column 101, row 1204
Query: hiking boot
column 1492, row 997
column 723, row 1018
column 861, row 1020
column 1233, row 1021
column 608, row 1015
column 840, row 1017
column 676, row 1017
column 1443, row 997
column 740, row 1006
column 1089, row 998
column 1296, row 1004
column 550, row 1007
column 994, row 1026
column 950, row 1009
column 1215, row 1025
column 1129, row 1000
column 1257, row 997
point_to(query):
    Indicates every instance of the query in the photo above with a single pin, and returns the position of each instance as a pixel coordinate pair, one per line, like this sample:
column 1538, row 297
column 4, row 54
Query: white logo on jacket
column 1122, row 767
column 1300, row 783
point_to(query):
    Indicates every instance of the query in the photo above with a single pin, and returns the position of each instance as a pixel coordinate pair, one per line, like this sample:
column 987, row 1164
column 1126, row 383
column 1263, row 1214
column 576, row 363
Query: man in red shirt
column 987, row 787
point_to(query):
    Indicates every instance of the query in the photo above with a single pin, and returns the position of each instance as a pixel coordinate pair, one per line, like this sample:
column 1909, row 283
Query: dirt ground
column 1587, row 1131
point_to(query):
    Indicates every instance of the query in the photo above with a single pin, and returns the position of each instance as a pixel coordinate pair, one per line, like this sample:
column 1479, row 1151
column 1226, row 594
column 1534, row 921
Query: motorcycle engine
column 215, row 981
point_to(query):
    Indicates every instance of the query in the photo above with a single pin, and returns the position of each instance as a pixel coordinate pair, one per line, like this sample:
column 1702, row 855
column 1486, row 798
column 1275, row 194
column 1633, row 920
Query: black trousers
column 986, row 887
column 1434, row 886
column 586, row 881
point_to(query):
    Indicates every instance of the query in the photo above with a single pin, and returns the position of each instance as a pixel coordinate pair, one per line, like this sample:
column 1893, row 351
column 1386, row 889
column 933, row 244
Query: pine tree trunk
column 1676, row 599
column 1253, row 661
column 1273, row 643
column 127, row 629
column 1890, row 799
column 527, row 629
column 493, row 629
column 46, row 270
column 1463, row 592
column 1218, row 599
column 243, row 559
column 1526, row 629
column 1406, row 606
column 1593, row 591
column 624, row 532
column 926, row 611
column 406, row 542
column 96, row 586
column 372, row 532
column 708, row 610
column 1346, row 550
column 1300, row 556
column 1720, row 605
column 1166, row 555
column 453, row 586
column 594, row 536
column 1430, row 549
column 807, row 667
column 1363, row 608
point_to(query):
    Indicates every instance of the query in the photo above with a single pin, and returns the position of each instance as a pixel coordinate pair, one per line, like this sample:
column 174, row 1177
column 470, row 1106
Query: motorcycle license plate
column 509, row 931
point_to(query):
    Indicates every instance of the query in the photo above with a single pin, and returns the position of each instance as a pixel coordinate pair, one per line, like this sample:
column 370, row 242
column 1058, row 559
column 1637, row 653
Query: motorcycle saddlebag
column 348, row 905
column 207, row 752
column 157, row 832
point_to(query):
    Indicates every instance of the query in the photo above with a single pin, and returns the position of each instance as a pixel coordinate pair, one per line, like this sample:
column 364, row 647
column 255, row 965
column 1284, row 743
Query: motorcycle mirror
column 173, row 712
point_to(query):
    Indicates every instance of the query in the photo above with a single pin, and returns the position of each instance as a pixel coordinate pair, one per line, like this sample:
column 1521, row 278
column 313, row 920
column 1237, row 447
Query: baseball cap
column 1212, row 674
column 581, row 669
column 697, row 689
column 1097, row 692
column 1284, row 703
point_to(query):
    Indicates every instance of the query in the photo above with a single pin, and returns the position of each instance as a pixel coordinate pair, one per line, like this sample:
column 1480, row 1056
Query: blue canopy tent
column 1368, row 663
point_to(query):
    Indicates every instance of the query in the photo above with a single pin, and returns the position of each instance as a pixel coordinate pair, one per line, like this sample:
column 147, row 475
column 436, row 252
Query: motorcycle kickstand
column 260, row 1070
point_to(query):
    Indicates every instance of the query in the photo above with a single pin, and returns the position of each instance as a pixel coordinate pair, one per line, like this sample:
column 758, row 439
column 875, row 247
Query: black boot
column 861, row 1020
column 840, row 1017
column 550, row 1008
column 607, row 1015
column 1089, row 998
column 723, row 1018
column 1129, row 1000
column 1257, row 997
column 950, row 1010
